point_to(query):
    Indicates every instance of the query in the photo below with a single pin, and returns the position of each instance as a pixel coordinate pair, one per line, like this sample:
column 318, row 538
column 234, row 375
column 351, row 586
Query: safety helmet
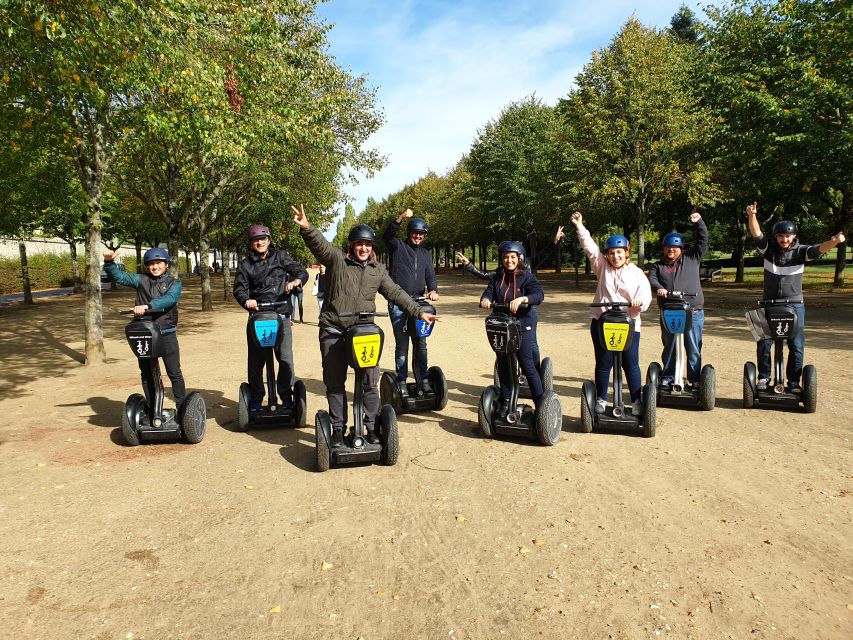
column 616, row 242
column 511, row 246
column 155, row 253
column 784, row 226
column 258, row 231
column 673, row 239
column 361, row 232
column 417, row 224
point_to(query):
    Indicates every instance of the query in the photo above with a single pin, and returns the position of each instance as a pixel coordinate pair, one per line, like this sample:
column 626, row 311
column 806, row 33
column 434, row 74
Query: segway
column 546, row 372
column 503, row 331
column 363, row 342
column 144, row 418
column 776, row 320
column 410, row 396
column 676, row 318
column 615, row 334
column 266, row 329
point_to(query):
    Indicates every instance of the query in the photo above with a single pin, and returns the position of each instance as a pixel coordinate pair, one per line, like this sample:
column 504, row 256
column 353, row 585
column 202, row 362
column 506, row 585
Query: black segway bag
column 503, row 333
column 781, row 320
column 143, row 336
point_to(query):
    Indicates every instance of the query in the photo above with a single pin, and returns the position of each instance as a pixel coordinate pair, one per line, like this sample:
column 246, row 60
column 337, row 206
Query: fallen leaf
column 276, row 609
column 538, row 542
column 523, row 551
column 238, row 471
column 326, row 566
column 460, row 518
column 248, row 486
column 41, row 464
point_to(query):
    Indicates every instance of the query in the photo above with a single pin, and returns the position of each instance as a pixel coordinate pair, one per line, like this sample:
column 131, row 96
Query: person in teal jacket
column 158, row 292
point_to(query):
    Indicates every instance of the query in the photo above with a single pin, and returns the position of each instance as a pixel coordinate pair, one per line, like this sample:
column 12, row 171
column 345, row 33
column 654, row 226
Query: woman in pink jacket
column 618, row 280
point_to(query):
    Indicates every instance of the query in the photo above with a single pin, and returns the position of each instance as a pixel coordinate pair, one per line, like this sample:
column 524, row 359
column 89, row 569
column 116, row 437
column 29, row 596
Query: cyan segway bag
column 266, row 329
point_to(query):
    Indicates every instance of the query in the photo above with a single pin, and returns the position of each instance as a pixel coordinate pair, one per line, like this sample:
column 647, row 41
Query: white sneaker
column 761, row 385
column 600, row 405
column 637, row 408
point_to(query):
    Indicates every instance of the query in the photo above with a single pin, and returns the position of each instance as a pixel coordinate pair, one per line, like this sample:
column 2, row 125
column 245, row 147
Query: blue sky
column 443, row 69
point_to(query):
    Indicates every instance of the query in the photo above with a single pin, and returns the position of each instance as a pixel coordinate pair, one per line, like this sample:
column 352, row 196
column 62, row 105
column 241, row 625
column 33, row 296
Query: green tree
column 632, row 131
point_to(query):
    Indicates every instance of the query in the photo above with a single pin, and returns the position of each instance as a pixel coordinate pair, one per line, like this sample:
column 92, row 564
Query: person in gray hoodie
column 353, row 280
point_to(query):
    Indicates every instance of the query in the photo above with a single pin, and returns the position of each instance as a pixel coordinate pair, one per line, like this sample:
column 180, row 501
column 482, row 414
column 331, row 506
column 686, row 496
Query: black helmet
column 784, row 226
column 155, row 253
column 361, row 232
column 417, row 224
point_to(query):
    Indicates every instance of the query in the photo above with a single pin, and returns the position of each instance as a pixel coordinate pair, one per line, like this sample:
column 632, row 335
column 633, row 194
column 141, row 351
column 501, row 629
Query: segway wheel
column 649, row 410
column 389, row 393
column 546, row 371
column 749, row 378
column 486, row 409
column 243, row 407
column 133, row 410
column 439, row 387
column 654, row 374
column 193, row 418
column 549, row 419
column 322, row 426
column 390, row 435
column 587, row 406
column 810, row 388
column 301, row 403
column 708, row 387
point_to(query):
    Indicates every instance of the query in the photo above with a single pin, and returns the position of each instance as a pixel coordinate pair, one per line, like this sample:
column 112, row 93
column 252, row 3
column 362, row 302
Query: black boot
column 502, row 411
column 337, row 437
column 372, row 437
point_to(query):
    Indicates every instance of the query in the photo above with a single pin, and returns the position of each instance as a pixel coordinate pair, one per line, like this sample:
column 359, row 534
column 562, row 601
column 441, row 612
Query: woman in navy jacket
column 513, row 284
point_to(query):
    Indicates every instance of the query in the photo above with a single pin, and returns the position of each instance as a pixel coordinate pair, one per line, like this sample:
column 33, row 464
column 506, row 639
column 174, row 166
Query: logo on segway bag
column 674, row 320
column 423, row 328
column 366, row 350
column 141, row 345
column 267, row 332
column 615, row 335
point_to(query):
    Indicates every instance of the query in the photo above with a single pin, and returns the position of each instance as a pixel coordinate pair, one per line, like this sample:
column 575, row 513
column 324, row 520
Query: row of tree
column 176, row 121
column 754, row 103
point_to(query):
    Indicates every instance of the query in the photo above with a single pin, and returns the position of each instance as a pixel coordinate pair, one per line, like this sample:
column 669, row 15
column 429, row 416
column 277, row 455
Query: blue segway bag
column 266, row 329
column 676, row 317
column 422, row 328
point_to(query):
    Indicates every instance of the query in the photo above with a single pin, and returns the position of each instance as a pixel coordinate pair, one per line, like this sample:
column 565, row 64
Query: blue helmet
column 673, row 239
column 417, row 224
column 511, row 246
column 784, row 226
column 155, row 253
column 616, row 242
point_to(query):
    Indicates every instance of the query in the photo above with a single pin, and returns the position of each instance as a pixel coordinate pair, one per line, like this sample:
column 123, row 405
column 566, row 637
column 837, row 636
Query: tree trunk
column 741, row 247
column 137, row 245
column 75, row 268
column 204, row 250
column 641, row 245
column 558, row 267
column 94, row 350
column 227, row 285
column 173, row 244
column 25, row 273
column 844, row 221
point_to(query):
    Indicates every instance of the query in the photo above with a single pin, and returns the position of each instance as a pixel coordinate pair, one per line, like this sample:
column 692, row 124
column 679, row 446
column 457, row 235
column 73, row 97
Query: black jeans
column 334, row 356
column 170, row 353
column 286, row 377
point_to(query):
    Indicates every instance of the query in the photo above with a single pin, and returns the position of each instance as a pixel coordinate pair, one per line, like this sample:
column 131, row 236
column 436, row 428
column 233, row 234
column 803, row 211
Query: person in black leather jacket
column 268, row 274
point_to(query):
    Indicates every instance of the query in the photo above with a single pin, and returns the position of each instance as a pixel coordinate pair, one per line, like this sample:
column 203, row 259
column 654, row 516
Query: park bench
column 710, row 274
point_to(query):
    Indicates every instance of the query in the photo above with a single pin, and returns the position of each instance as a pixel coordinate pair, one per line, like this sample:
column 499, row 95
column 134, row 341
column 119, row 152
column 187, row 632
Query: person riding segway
column 268, row 275
column 152, row 335
column 510, row 295
column 354, row 278
column 411, row 268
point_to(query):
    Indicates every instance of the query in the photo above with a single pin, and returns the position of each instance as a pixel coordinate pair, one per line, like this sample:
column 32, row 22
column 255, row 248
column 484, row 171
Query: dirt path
column 728, row 524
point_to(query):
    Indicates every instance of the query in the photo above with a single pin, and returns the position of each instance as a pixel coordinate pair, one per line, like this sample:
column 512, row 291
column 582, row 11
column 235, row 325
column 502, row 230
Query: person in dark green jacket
column 352, row 281
column 156, row 291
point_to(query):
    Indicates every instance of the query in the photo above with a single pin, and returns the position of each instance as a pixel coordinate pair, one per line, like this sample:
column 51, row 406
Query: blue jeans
column 796, row 347
column 296, row 302
column 604, row 365
column 692, row 345
column 400, row 321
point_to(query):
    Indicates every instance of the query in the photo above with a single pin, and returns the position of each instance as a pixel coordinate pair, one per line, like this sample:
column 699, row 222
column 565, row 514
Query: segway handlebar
column 679, row 294
column 271, row 305
column 613, row 304
column 503, row 307
column 363, row 315
column 761, row 303
column 149, row 312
